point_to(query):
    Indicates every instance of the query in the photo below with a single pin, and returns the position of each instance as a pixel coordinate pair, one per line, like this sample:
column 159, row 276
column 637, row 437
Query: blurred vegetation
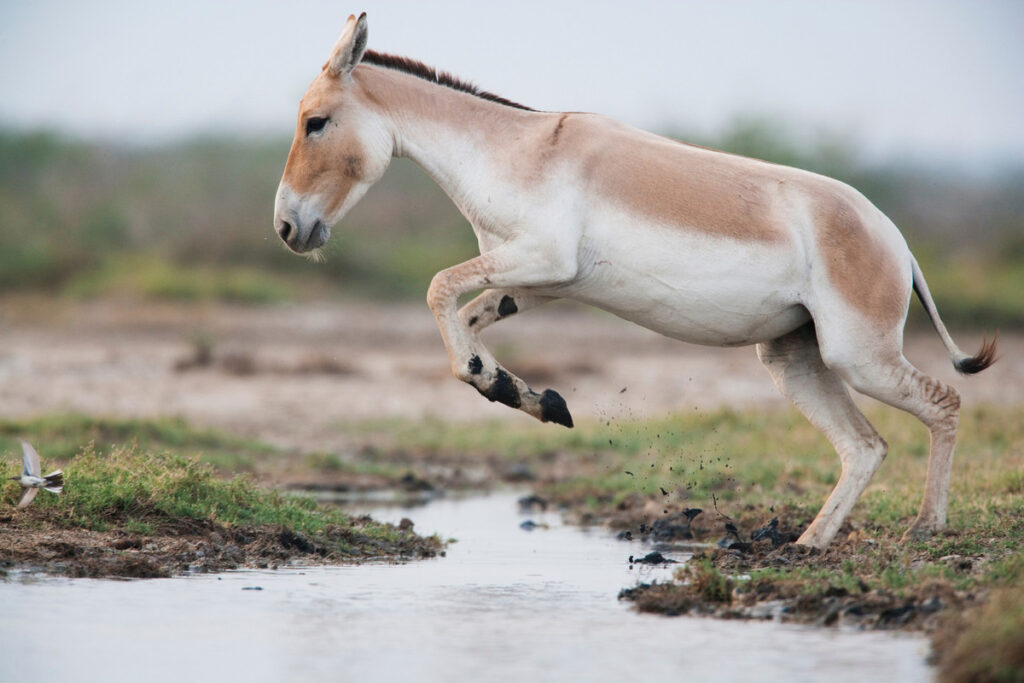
column 193, row 221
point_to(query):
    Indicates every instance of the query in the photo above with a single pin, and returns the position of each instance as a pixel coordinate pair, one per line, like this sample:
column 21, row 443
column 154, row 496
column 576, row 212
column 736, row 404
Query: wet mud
column 714, row 583
column 31, row 542
column 764, row 575
column 746, row 565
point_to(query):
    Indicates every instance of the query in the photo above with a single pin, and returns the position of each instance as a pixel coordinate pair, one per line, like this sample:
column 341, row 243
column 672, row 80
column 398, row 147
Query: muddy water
column 504, row 605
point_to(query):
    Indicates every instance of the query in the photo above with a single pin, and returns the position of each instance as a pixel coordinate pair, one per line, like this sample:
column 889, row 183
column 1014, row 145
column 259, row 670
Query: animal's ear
column 350, row 47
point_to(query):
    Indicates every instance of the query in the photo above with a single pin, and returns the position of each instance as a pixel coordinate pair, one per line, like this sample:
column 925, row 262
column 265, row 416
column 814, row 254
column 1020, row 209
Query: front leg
column 497, row 304
column 508, row 267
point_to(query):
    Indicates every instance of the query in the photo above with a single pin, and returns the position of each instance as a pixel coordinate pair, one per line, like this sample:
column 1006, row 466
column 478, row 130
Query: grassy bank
column 143, row 513
column 644, row 478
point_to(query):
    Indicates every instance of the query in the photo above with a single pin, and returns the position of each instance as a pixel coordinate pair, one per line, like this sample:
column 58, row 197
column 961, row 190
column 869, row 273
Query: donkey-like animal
column 699, row 245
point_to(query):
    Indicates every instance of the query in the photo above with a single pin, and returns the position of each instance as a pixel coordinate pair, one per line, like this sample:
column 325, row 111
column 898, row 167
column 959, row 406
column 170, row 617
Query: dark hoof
column 553, row 409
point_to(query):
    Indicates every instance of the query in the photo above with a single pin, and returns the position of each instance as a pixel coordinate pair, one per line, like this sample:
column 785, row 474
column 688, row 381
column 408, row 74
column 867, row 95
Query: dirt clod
column 651, row 558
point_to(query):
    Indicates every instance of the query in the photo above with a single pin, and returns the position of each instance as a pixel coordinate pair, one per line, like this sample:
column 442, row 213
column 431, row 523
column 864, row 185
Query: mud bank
column 30, row 542
column 727, row 584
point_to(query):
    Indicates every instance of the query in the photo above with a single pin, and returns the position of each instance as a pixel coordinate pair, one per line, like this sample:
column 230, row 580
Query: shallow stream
column 504, row 605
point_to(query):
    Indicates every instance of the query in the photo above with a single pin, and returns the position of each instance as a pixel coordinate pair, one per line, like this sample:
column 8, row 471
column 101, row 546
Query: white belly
column 689, row 286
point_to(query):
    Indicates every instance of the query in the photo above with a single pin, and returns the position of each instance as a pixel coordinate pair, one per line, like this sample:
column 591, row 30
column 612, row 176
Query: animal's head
column 341, row 148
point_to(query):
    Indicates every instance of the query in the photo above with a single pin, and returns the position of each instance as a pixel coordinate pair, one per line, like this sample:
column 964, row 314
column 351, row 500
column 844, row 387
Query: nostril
column 285, row 231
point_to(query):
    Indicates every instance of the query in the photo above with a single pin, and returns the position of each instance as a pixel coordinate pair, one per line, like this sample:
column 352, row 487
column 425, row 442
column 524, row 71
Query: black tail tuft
column 985, row 357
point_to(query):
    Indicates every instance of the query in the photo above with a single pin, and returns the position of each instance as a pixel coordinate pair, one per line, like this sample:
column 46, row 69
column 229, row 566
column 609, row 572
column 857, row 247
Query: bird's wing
column 31, row 459
column 28, row 497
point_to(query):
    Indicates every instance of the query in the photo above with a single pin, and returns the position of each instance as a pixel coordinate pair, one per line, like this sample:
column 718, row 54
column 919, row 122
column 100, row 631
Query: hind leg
column 795, row 364
column 884, row 374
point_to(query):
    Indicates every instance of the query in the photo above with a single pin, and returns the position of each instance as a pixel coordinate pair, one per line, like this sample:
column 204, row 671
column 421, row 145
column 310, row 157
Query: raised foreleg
column 497, row 304
column 510, row 267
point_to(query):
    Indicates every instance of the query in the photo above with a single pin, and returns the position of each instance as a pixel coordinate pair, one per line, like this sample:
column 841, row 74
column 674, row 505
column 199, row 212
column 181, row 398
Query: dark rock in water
column 410, row 482
column 252, row 588
column 533, row 501
column 530, row 525
column 651, row 558
column 626, row 535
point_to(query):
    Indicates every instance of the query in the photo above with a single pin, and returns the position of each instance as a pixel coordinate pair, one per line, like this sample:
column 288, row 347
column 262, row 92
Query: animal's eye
column 315, row 124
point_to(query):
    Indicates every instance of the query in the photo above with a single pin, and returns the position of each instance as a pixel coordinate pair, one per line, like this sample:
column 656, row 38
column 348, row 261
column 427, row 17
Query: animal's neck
column 460, row 139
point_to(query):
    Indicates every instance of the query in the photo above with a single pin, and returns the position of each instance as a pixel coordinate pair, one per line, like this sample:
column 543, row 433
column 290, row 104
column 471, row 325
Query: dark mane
column 429, row 73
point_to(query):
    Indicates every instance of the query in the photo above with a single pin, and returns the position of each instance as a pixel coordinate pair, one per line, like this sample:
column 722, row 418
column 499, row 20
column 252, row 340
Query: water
column 504, row 605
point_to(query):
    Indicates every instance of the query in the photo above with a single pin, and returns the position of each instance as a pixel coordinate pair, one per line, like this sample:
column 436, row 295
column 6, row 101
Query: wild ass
column 698, row 245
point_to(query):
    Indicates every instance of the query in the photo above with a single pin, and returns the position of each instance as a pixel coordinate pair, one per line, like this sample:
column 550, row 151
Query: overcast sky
column 924, row 79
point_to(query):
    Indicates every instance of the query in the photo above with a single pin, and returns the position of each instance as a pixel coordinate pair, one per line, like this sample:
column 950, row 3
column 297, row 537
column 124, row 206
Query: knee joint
column 946, row 407
column 881, row 448
column 471, row 371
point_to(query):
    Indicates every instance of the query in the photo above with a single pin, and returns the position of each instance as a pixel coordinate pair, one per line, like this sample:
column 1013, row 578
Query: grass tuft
column 144, row 492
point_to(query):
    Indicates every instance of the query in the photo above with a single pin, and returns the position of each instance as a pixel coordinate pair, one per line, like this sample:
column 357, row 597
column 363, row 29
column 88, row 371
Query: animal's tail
column 964, row 363
column 54, row 482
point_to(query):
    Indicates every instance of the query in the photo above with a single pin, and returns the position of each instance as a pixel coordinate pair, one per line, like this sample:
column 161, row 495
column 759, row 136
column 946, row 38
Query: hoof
column 553, row 409
column 918, row 532
column 812, row 546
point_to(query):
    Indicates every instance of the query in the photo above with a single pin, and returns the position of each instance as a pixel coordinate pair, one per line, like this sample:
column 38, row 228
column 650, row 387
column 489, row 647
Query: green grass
column 753, row 460
column 141, row 490
column 749, row 457
column 151, row 277
column 58, row 438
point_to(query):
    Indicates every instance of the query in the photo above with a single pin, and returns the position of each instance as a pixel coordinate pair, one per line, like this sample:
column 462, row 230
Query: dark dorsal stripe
column 429, row 73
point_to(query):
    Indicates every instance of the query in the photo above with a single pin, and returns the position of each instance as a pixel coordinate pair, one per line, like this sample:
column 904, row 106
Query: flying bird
column 32, row 481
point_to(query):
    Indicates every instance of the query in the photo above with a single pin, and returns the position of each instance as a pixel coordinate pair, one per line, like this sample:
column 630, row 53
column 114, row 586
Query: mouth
column 317, row 237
